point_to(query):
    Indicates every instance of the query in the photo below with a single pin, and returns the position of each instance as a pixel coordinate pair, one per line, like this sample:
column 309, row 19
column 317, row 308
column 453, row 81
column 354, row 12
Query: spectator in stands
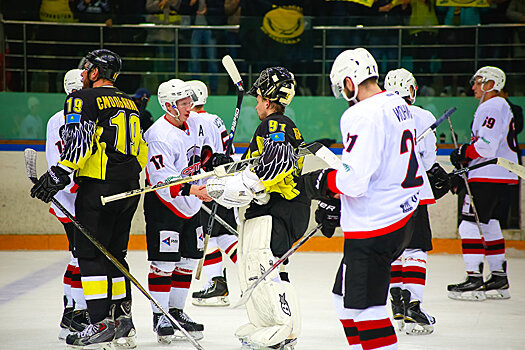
column 141, row 97
column 95, row 11
column 56, row 11
column 516, row 14
column 516, row 11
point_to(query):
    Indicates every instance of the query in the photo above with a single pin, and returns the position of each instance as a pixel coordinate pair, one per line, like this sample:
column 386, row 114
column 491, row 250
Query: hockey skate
column 472, row 288
column 164, row 329
column 124, row 328
column 96, row 336
column 398, row 306
column 417, row 321
column 215, row 293
column 497, row 286
column 79, row 320
column 193, row 328
column 65, row 322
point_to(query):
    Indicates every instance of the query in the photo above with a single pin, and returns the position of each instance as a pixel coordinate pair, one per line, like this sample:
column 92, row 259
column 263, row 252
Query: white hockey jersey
column 426, row 149
column 491, row 130
column 381, row 178
column 54, row 147
column 172, row 153
column 215, row 132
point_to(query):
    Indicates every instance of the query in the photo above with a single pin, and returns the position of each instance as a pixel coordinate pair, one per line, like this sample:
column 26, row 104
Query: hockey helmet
column 489, row 73
column 73, row 80
column 108, row 63
column 400, row 81
column 172, row 91
column 201, row 91
column 276, row 84
column 358, row 65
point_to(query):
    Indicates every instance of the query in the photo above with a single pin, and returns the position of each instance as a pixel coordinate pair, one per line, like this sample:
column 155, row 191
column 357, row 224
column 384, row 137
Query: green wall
column 316, row 117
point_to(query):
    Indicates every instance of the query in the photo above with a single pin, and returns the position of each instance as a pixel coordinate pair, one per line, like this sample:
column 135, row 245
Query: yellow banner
column 463, row 3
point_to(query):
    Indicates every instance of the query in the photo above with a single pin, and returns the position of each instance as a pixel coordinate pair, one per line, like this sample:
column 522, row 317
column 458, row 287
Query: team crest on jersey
column 193, row 154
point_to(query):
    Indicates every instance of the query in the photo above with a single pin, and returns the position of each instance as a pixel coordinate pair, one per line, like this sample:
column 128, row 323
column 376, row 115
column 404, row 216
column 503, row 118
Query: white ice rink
column 31, row 306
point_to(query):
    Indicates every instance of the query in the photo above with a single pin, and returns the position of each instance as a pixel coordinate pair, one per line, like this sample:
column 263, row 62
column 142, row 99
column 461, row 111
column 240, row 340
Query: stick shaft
column 434, row 125
column 221, row 221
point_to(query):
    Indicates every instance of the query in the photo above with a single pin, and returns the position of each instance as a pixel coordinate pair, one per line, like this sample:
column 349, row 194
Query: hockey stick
column 248, row 292
column 221, row 221
column 433, row 127
column 233, row 72
column 469, row 168
column 464, row 176
column 511, row 166
column 30, row 161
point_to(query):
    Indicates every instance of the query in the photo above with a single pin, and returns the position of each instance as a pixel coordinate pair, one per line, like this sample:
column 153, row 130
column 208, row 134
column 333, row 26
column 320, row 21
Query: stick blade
column 30, row 160
column 511, row 166
column 233, row 72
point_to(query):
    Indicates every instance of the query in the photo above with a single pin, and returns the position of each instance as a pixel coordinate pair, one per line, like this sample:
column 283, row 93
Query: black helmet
column 276, row 84
column 108, row 63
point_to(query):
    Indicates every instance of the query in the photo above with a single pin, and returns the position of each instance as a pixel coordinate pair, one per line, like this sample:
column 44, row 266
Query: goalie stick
column 248, row 292
column 233, row 72
column 30, row 162
column 434, row 125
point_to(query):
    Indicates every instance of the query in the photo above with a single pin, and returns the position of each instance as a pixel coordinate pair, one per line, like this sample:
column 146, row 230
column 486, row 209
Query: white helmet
column 201, row 91
column 399, row 81
column 358, row 65
column 73, row 80
column 489, row 73
column 173, row 90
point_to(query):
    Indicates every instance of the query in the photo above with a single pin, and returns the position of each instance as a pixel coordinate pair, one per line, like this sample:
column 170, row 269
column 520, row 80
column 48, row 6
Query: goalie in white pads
column 492, row 131
column 173, row 230
column 276, row 218
column 408, row 272
column 74, row 318
column 215, row 290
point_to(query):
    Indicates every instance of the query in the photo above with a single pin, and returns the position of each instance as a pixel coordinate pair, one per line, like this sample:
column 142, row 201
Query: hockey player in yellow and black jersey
column 104, row 147
column 276, row 218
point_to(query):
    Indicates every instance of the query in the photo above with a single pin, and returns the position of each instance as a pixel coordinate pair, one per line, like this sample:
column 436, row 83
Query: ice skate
column 163, row 327
column 215, row 293
column 193, row 328
column 497, row 286
column 96, row 336
column 472, row 289
column 65, row 322
column 79, row 320
column 398, row 308
column 124, row 328
column 417, row 321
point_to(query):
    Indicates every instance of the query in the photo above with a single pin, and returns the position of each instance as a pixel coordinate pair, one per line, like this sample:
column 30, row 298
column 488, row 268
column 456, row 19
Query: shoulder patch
column 72, row 118
column 277, row 137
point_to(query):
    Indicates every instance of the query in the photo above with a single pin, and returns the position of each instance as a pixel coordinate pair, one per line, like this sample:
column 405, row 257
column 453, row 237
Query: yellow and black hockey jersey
column 103, row 139
column 276, row 140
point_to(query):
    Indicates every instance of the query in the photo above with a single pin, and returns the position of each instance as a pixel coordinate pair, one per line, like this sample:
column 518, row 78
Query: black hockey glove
column 459, row 158
column 316, row 184
column 210, row 160
column 457, row 184
column 328, row 214
column 439, row 180
column 52, row 181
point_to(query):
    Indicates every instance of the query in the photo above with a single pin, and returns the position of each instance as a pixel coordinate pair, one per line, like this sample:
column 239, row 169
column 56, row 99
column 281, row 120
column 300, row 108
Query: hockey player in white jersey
column 173, row 230
column 492, row 131
column 74, row 317
column 408, row 273
column 215, row 290
column 379, row 188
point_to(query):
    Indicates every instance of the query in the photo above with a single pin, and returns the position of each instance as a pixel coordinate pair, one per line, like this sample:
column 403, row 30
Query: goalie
column 277, row 215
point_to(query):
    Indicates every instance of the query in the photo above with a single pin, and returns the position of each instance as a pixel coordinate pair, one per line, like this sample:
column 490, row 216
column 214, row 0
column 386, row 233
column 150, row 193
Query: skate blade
column 418, row 329
column 165, row 339
column 399, row 324
column 98, row 346
column 497, row 294
column 180, row 337
column 476, row 295
column 64, row 332
column 125, row 343
column 214, row 301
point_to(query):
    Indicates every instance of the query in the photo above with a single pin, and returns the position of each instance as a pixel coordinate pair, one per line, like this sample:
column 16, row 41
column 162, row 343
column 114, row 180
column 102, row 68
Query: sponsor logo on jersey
column 284, row 304
column 73, row 118
column 166, row 241
column 277, row 137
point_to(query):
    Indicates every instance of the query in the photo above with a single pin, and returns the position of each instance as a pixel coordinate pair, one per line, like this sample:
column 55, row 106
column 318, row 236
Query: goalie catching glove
column 53, row 180
column 237, row 190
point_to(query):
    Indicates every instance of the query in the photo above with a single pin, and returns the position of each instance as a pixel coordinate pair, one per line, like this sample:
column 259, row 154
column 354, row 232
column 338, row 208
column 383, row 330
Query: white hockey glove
column 254, row 184
column 229, row 191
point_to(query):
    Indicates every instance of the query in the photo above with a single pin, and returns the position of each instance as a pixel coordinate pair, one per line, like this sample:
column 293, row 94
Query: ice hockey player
column 492, row 126
column 380, row 170
column 105, row 162
column 276, row 218
column 173, row 229
column 74, row 317
column 408, row 273
column 215, row 290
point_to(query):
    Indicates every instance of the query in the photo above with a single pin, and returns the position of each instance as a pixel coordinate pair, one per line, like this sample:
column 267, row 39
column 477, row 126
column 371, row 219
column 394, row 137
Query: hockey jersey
column 54, row 147
column 426, row 149
column 381, row 178
column 173, row 153
column 492, row 132
column 215, row 132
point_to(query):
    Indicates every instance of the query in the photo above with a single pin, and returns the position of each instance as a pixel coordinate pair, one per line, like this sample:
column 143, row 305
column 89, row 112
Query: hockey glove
column 328, row 214
column 52, row 181
column 210, row 160
column 459, row 158
column 439, row 180
column 457, row 184
column 316, row 184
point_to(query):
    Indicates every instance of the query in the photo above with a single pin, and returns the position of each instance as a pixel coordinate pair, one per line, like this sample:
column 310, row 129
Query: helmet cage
column 275, row 84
